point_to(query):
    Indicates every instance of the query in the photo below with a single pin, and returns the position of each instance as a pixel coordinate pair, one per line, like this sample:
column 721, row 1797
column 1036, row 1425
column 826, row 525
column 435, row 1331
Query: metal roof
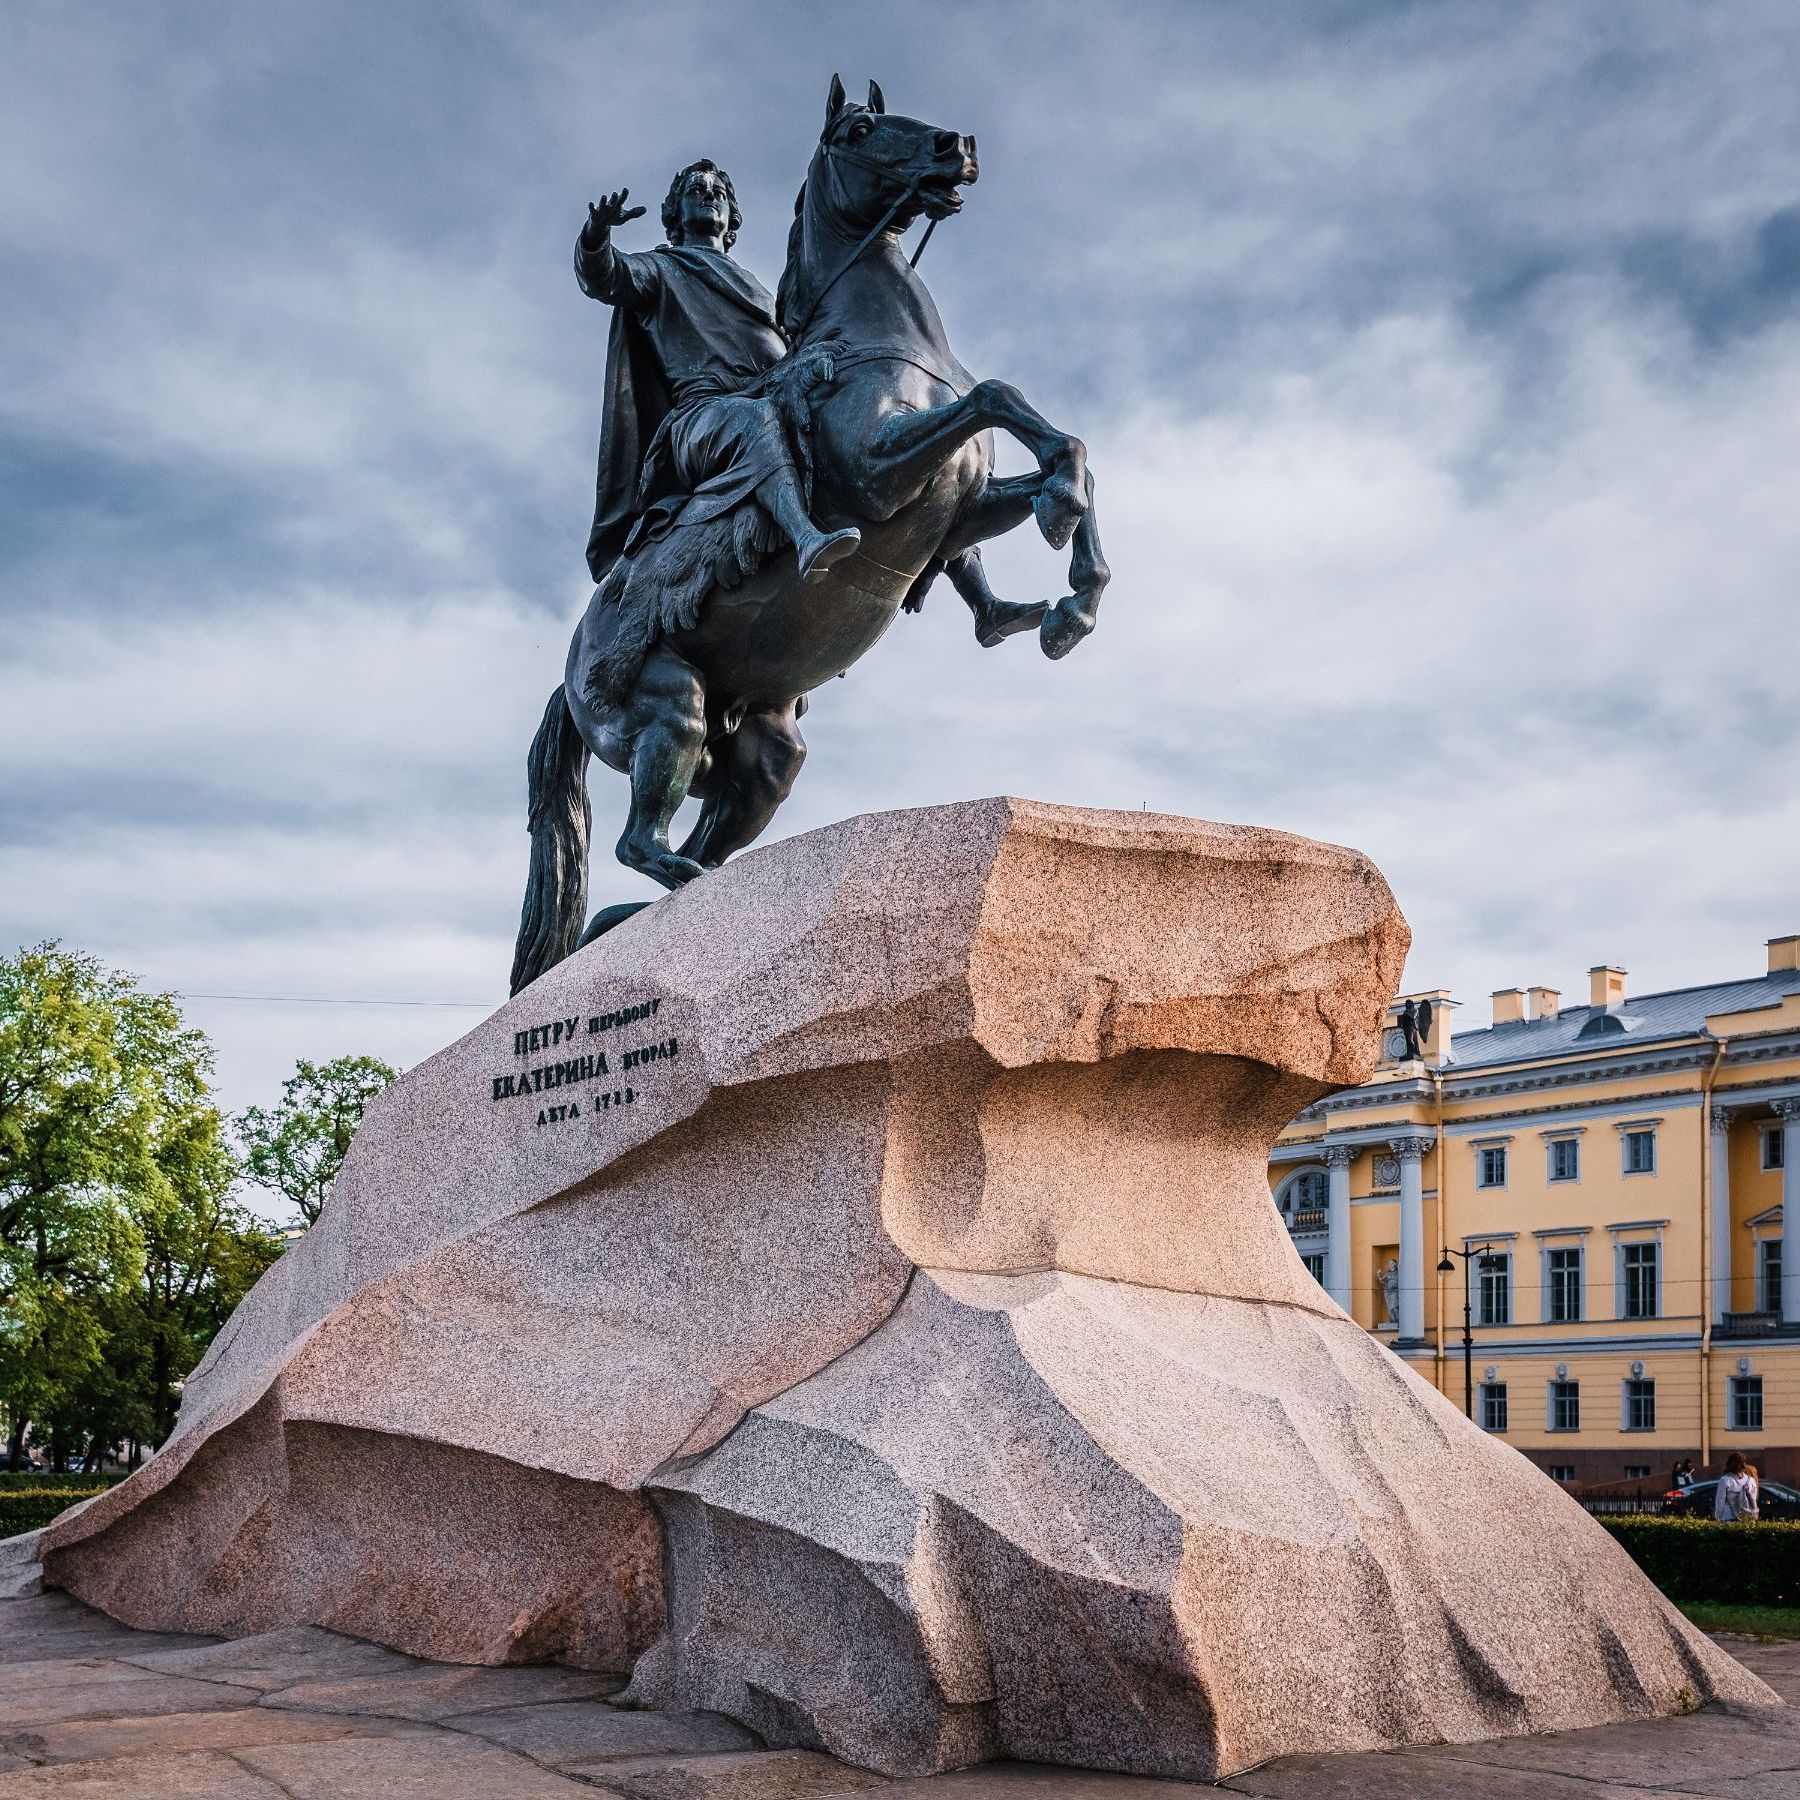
column 1639, row 1019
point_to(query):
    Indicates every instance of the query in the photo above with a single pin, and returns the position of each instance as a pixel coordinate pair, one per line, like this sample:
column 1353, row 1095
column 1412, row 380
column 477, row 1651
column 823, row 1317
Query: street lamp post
column 1447, row 1267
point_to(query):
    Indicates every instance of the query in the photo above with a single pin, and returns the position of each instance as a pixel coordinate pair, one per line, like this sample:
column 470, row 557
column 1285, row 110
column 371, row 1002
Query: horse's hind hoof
column 1059, row 505
column 1061, row 631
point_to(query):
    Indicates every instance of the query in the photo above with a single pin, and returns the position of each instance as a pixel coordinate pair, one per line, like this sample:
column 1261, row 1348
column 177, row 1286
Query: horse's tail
column 556, row 893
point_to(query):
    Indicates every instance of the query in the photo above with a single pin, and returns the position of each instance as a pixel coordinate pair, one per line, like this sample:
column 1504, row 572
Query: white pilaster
column 1719, row 1149
column 1789, row 1113
column 1337, row 1223
column 1411, row 1152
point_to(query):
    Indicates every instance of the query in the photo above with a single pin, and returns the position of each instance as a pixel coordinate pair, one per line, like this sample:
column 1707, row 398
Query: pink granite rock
column 850, row 1293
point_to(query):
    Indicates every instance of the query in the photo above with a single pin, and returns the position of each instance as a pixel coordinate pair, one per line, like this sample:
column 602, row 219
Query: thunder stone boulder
column 848, row 1295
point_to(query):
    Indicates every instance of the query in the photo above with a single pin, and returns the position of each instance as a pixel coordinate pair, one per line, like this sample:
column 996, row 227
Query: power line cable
column 337, row 1000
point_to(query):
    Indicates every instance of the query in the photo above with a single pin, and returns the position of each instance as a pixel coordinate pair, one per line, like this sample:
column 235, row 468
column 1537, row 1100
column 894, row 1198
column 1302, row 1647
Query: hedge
column 1705, row 1559
column 27, row 1509
column 48, row 1478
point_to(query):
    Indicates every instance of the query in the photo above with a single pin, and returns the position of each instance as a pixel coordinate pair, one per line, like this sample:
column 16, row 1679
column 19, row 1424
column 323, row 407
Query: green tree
column 297, row 1148
column 99, row 1082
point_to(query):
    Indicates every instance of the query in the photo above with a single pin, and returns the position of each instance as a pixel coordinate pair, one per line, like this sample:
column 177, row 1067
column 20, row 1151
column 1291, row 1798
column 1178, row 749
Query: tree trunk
column 15, row 1444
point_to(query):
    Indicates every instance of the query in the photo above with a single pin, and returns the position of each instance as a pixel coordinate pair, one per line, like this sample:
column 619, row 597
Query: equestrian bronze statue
column 779, row 476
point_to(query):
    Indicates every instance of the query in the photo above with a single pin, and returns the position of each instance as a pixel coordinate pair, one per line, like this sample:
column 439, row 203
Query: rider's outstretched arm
column 609, row 274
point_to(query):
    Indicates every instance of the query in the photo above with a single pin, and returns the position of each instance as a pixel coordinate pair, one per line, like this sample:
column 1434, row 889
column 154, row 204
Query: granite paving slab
column 278, row 1659
column 191, row 1775
column 440, row 1691
column 733, row 1775
column 434, row 1765
column 587, row 1731
column 90, row 1740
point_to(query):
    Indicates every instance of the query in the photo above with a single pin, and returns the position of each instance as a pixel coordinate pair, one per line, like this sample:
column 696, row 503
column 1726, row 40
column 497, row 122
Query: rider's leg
column 666, row 724
column 815, row 549
column 752, row 772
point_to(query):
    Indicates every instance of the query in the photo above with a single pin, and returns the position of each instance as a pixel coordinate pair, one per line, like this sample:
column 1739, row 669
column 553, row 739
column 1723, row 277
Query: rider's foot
column 996, row 620
column 821, row 549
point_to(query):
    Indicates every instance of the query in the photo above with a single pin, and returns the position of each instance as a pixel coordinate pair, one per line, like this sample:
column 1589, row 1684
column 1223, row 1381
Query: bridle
column 909, row 192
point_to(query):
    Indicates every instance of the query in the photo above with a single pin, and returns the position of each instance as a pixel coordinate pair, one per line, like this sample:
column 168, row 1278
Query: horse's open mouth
column 940, row 197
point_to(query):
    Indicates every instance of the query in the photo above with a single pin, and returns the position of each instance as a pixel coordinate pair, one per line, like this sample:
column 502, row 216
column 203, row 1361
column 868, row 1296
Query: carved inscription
column 582, row 1069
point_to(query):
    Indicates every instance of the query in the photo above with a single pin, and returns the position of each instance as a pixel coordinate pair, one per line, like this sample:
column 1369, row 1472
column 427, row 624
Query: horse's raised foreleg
column 907, row 448
column 1003, row 505
column 665, row 724
column 1074, row 616
column 752, row 772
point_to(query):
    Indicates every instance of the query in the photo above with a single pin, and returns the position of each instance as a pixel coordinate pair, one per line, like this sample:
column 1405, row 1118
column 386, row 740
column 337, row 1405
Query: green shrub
column 1706, row 1560
column 28, row 1509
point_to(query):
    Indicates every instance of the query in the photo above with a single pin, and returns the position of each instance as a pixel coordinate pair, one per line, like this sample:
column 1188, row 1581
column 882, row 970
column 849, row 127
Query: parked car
column 1774, row 1500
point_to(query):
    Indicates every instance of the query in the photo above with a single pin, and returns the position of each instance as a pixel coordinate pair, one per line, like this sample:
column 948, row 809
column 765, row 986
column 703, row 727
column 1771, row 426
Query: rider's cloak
column 685, row 322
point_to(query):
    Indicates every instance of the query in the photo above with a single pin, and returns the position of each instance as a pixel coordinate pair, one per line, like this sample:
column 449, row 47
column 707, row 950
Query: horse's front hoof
column 1063, row 629
column 1059, row 505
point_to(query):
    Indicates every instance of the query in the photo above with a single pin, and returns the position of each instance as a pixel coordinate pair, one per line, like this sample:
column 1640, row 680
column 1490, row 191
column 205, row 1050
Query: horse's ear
column 834, row 101
column 876, row 103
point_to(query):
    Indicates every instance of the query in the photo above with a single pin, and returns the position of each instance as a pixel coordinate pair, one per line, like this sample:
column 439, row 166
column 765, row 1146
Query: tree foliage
column 122, row 1248
column 296, row 1148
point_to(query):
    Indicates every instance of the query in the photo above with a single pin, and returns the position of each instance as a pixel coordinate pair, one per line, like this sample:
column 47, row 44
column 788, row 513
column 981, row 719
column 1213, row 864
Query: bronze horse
column 691, row 666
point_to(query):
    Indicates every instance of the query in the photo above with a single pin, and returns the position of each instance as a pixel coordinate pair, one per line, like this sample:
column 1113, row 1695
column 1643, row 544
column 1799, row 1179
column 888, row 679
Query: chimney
column 1606, row 986
column 1509, row 1005
column 1784, row 953
column 1542, row 1003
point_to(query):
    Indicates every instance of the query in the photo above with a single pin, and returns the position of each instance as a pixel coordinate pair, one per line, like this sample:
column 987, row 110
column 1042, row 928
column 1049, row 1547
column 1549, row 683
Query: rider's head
column 701, row 196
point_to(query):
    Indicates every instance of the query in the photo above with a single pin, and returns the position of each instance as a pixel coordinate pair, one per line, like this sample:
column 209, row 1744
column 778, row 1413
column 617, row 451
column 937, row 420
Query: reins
column 907, row 193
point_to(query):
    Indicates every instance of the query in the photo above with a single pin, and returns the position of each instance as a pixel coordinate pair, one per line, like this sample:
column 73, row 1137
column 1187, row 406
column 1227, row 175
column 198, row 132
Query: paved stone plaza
column 91, row 1708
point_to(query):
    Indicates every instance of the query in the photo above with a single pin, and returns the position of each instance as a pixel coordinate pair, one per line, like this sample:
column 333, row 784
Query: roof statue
column 778, row 477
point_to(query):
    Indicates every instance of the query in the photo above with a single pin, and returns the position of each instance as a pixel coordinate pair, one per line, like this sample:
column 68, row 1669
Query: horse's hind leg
column 752, row 772
column 665, row 723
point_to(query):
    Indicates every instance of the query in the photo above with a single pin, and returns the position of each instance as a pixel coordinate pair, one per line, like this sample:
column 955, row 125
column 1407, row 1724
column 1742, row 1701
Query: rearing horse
column 691, row 666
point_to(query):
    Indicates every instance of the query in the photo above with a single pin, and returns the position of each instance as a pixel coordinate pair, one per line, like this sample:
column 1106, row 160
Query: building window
column 1771, row 1141
column 1565, row 1406
column 1562, row 1272
column 1640, row 1152
column 1637, row 1471
column 1768, row 1275
column 1490, row 1166
column 1638, row 1269
column 1640, row 1407
column 1562, row 1471
column 1493, row 1406
column 1494, row 1272
column 1307, row 1192
column 1565, row 1159
column 1315, row 1267
column 1746, row 1403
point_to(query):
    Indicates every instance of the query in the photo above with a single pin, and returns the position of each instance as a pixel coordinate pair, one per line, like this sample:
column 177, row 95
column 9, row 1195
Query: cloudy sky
column 1440, row 366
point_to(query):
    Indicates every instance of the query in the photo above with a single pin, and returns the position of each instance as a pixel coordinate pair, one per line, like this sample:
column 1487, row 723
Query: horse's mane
column 790, row 272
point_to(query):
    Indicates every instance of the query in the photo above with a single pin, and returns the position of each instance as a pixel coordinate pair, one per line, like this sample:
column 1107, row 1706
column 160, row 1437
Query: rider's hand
column 609, row 212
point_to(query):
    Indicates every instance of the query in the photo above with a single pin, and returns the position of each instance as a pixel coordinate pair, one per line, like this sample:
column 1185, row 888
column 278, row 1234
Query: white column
column 1719, row 1148
column 1789, row 1113
column 1337, row 1223
column 1411, row 1151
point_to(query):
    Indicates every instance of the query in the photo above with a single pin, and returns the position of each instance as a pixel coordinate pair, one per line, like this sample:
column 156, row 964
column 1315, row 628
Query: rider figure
column 678, row 444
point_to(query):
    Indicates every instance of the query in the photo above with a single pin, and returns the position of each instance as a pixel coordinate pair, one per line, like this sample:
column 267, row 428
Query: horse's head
column 876, row 158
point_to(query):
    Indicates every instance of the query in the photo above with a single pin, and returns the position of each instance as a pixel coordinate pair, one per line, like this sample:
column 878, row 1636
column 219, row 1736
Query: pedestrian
column 1736, row 1497
column 1684, row 1473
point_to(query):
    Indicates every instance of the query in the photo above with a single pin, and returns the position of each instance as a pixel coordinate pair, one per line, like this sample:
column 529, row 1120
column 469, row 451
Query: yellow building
column 1621, row 1183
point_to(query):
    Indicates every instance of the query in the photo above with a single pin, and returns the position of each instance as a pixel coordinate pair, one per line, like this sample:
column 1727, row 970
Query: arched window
column 1303, row 1193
